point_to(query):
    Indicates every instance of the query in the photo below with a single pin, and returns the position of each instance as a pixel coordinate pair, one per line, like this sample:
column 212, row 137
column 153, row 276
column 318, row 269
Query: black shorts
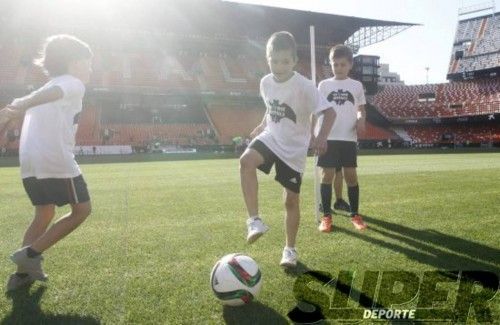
column 339, row 154
column 58, row 191
column 286, row 176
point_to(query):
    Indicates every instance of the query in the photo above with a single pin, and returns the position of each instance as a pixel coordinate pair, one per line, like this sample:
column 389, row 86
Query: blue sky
column 409, row 52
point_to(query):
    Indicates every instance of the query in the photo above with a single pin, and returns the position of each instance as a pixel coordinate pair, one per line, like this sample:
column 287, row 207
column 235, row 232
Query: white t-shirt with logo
column 345, row 96
column 289, row 107
column 48, row 133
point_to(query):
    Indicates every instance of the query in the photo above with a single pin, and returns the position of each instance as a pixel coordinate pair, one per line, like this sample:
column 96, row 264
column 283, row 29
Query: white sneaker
column 256, row 228
column 289, row 258
column 30, row 265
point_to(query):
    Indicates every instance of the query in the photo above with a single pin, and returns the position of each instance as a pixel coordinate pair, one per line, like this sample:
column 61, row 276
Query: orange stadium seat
column 460, row 133
column 475, row 97
column 233, row 120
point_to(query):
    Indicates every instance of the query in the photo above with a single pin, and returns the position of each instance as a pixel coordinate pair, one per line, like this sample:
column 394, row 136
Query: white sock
column 254, row 217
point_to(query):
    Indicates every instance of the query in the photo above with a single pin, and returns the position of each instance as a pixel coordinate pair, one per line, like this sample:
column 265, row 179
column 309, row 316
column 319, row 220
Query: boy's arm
column 36, row 98
column 20, row 105
column 5, row 118
column 259, row 127
column 321, row 140
column 314, row 120
column 361, row 123
column 264, row 121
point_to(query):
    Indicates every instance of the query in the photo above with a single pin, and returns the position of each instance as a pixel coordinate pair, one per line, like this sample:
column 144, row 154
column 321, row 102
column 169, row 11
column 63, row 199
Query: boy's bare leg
column 327, row 175
column 28, row 259
column 249, row 162
column 62, row 227
column 351, row 177
column 292, row 217
column 43, row 217
column 292, row 220
column 338, row 184
column 339, row 204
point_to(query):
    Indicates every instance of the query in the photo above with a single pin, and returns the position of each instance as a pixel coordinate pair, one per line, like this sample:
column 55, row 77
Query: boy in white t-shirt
column 49, row 171
column 282, row 138
column 348, row 100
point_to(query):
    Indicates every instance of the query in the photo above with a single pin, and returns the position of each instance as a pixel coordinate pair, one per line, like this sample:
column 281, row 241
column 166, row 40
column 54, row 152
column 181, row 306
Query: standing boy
column 348, row 99
column 282, row 138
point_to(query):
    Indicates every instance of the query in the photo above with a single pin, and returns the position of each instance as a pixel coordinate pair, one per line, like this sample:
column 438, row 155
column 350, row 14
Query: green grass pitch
column 144, row 255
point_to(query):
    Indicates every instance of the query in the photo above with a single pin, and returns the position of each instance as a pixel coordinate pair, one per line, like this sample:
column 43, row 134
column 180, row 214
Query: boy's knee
column 88, row 210
column 352, row 181
column 45, row 213
column 326, row 179
column 82, row 211
column 351, row 178
column 246, row 162
column 243, row 161
column 327, row 175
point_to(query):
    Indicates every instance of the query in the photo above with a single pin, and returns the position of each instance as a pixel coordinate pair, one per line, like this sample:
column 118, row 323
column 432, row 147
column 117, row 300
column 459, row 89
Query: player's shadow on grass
column 297, row 270
column 313, row 313
column 26, row 310
column 430, row 247
column 252, row 314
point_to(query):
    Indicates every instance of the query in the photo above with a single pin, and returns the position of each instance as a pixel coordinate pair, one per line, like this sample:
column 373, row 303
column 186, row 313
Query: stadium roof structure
column 330, row 28
column 257, row 22
column 208, row 18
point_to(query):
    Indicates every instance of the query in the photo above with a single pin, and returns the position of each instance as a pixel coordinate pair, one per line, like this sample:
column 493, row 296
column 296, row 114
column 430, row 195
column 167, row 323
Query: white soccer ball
column 236, row 279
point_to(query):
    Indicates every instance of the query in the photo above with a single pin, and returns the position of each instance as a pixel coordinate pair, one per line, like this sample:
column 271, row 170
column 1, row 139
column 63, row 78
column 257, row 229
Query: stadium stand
column 167, row 134
column 223, row 67
column 374, row 132
column 463, row 134
column 473, row 97
column 234, row 120
column 475, row 48
column 88, row 128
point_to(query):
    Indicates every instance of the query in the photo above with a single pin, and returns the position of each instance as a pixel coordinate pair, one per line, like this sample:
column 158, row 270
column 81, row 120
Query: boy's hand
column 8, row 114
column 320, row 145
column 258, row 130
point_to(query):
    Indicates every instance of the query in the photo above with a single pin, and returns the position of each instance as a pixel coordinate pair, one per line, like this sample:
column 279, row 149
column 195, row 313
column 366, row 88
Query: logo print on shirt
column 279, row 111
column 340, row 97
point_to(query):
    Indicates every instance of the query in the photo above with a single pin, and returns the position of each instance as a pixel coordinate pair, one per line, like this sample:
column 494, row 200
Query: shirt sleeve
column 317, row 102
column 71, row 87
